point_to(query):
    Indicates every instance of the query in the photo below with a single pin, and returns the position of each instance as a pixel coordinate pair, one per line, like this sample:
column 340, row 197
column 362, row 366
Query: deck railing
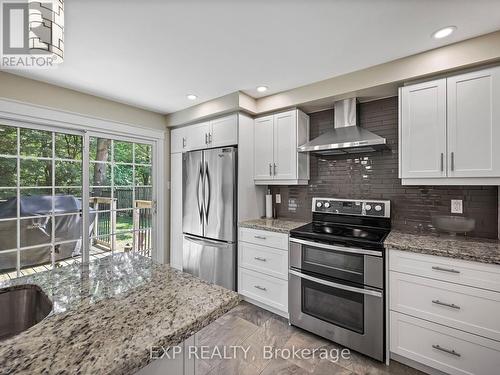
column 105, row 233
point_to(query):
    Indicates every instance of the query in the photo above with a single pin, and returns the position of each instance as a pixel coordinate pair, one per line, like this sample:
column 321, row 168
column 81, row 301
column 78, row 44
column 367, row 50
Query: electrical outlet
column 457, row 206
column 278, row 198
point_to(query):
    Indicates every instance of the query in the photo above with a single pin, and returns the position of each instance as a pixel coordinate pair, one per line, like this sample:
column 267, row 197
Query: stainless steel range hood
column 345, row 137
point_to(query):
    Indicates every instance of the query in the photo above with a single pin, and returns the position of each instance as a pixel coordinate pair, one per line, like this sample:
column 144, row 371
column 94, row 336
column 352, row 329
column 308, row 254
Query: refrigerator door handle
column 207, row 200
column 198, row 201
column 205, row 241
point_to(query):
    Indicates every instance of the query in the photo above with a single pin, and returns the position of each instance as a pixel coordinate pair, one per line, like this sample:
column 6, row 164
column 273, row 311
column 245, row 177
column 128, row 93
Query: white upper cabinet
column 450, row 130
column 474, row 124
column 277, row 137
column 178, row 140
column 285, row 146
column 423, row 136
column 224, row 131
column 219, row 132
column 197, row 136
column 263, row 148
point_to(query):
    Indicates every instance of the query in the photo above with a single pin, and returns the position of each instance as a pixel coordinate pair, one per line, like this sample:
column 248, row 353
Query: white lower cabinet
column 469, row 309
column 444, row 313
column 446, row 349
column 477, row 275
column 273, row 262
column 264, row 238
column 263, row 288
column 263, row 269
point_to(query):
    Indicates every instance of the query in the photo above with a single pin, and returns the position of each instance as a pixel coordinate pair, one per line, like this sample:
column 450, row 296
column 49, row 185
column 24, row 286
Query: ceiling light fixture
column 444, row 32
column 262, row 88
column 191, row 97
column 46, row 29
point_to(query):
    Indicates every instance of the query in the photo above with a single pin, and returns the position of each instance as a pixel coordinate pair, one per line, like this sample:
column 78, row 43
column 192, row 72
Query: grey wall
column 375, row 176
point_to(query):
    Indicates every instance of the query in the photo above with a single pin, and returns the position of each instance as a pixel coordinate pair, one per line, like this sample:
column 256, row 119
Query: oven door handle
column 337, row 248
column 336, row 285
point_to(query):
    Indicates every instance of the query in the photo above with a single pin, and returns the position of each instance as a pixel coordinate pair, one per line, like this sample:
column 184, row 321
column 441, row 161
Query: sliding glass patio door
column 40, row 199
column 121, row 196
column 70, row 196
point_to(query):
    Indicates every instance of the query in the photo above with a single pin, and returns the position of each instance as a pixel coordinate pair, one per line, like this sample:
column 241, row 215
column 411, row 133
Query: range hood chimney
column 345, row 137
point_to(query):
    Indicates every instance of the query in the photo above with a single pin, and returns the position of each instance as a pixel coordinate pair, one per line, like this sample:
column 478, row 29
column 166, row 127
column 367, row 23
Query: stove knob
column 368, row 207
column 327, row 205
column 319, row 204
column 378, row 207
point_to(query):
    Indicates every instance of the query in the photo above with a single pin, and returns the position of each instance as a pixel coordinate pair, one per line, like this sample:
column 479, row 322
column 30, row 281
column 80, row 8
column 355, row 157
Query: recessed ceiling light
column 191, row 96
column 262, row 88
column 444, row 32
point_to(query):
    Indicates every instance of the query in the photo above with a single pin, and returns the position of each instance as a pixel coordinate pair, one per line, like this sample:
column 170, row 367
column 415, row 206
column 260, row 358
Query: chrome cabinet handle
column 260, row 287
column 442, row 162
column 451, row 270
column 452, row 161
column 331, row 284
column 452, row 305
column 260, row 237
column 183, row 142
column 206, row 138
column 261, row 259
column 449, row 351
column 275, row 169
column 209, row 137
column 270, row 169
column 336, row 248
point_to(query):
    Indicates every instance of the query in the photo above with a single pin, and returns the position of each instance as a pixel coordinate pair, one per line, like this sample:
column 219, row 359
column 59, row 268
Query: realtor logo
column 32, row 34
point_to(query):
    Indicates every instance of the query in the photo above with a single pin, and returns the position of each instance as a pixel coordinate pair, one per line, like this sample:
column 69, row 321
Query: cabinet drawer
column 443, row 348
column 470, row 309
column 263, row 288
column 264, row 237
column 268, row 260
column 479, row 275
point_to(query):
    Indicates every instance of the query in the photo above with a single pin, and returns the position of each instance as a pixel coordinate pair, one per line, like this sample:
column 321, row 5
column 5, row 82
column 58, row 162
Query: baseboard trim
column 416, row 365
column 283, row 314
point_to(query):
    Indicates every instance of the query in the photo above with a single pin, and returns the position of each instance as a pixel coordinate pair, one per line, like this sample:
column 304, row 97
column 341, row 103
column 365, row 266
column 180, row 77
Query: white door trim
column 20, row 111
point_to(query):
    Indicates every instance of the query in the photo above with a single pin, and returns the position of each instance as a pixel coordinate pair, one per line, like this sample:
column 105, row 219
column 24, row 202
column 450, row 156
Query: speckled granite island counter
column 273, row 225
column 473, row 249
column 108, row 315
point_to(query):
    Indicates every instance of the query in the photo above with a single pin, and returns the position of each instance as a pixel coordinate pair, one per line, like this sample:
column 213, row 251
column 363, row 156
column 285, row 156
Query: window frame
column 19, row 114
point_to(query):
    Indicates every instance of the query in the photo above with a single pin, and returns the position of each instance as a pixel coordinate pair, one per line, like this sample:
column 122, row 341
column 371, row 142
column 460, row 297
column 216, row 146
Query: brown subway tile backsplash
column 375, row 176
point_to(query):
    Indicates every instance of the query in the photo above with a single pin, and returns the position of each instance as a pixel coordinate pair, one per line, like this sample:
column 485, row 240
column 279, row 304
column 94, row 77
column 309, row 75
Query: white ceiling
column 152, row 53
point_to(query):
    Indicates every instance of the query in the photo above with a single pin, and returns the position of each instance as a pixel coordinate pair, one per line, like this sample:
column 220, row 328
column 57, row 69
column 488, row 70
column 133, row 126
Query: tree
column 102, row 154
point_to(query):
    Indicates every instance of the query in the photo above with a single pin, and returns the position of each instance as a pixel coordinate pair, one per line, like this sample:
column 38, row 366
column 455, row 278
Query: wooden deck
column 95, row 253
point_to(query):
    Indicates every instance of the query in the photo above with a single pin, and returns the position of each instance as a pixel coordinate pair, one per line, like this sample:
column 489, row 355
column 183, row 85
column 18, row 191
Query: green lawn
column 124, row 222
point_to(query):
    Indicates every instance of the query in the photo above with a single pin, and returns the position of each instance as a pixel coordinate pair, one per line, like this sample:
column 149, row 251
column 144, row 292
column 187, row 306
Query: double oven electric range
column 337, row 273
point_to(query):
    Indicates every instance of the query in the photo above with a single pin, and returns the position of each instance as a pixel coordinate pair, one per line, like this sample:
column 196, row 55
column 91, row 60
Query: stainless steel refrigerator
column 209, row 215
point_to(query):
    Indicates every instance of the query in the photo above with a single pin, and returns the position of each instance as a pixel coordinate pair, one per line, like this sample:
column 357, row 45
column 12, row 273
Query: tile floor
column 250, row 326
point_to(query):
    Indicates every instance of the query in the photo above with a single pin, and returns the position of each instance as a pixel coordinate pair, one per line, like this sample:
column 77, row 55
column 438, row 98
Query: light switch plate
column 457, row 206
column 278, row 198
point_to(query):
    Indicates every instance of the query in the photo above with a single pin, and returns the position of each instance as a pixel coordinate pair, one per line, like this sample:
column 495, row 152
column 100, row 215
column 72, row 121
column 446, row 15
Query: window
column 120, row 180
column 41, row 198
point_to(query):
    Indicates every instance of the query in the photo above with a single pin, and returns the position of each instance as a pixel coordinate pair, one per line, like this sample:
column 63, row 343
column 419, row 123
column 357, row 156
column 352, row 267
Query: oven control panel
column 375, row 208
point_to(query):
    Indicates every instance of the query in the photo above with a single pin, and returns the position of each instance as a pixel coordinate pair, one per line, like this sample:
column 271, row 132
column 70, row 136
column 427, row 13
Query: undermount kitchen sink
column 21, row 307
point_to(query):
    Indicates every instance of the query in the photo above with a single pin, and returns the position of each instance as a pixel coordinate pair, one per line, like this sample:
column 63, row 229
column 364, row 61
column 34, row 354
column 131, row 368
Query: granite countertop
column 273, row 225
column 473, row 249
column 108, row 315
